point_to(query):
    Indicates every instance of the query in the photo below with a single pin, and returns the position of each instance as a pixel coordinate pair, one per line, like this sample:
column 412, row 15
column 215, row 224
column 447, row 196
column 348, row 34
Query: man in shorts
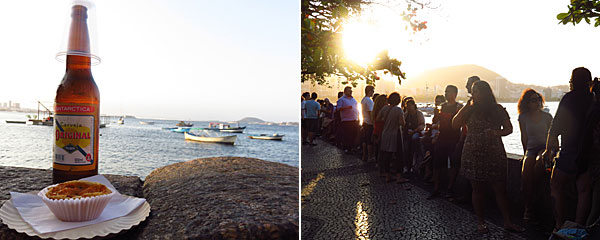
column 367, row 126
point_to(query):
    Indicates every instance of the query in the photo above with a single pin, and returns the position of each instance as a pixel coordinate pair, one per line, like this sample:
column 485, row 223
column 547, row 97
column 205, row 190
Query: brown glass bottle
column 77, row 112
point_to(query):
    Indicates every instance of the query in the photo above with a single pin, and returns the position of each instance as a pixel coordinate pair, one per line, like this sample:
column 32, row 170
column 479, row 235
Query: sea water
column 137, row 149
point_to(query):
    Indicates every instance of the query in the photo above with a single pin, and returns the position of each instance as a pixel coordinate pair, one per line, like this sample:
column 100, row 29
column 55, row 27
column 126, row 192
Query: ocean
column 512, row 142
column 136, row 149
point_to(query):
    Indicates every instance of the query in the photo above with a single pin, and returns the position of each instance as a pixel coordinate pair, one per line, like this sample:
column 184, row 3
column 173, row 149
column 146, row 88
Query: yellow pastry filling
column 77, row 189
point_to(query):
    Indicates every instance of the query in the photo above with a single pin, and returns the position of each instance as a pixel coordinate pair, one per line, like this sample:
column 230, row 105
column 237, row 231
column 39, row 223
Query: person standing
column 414, row 125
column 380, row 103
column 327, row 120
column 446, row 143
column 484, row 160
column 590, row 152
column 348, row 108
column 568, row 123
column 303, row 131
column 534, row 124
column 367, row 126
column 337, row 120
column 391, row 138
column 313, row 108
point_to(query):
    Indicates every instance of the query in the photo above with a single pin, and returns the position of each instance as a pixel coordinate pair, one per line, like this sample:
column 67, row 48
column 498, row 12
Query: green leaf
column 562, row 16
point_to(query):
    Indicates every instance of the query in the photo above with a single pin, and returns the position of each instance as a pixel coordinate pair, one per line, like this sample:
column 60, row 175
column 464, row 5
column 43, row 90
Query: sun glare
column 361, row 42
column 364, row 39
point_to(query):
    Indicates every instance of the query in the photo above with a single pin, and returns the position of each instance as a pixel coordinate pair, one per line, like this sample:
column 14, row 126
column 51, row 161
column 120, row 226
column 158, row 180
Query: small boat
column 121, row 121
column 146, row 123
column 102, row 125
column 180, row 129
column 266, row 136
column 184, row 124
column 224, row 128
column 205, row 138
column 19, row 122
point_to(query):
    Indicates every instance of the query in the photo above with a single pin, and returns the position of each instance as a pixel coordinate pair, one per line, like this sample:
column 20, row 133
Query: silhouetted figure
column 391, row 138
column 367, row 126
column 484, row 159
column 446, row 143
column 414, row 125
column 568, row 123
column 311, row 117
column 303, row 131
column 591, row 152
column 534, row 124
column 380, row 102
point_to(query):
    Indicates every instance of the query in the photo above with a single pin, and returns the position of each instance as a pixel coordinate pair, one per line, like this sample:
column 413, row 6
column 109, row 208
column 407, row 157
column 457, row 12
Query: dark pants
column 367, row 134
column 349, row 132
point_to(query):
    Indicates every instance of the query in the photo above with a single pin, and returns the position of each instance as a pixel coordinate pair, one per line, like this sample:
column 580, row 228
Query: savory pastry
column 77, row 189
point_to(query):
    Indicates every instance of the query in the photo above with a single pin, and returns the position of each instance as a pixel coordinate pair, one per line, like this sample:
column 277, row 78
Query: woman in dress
column 484, row 160
column 391, row 138
column 534, row 124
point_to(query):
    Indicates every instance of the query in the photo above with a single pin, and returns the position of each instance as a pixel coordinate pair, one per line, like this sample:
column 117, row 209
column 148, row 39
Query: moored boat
column 220, row 127
column 180, row 129
column 146, row 122
column 205, row 138
column 266, row 136
column 19, row 122
column 184, row 124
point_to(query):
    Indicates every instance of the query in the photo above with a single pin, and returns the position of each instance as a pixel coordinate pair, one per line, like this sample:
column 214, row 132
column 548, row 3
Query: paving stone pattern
column 332, row 210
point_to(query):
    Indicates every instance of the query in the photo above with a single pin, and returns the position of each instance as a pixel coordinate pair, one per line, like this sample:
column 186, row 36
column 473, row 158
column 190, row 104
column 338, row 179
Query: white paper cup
column 76, row 210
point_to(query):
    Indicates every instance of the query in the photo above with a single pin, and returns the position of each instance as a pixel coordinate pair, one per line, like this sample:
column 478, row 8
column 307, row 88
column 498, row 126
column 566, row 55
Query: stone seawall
column 208, row 198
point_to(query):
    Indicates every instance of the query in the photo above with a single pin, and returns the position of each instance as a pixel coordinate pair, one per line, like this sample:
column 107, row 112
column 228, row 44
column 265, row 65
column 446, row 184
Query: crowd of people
column 466, row 139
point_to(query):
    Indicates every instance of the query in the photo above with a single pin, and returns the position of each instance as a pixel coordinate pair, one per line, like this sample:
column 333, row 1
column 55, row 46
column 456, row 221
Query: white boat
column 146, row 123
column 267, row 136
column 121, row 120
column 220, row 127
column 205, row 138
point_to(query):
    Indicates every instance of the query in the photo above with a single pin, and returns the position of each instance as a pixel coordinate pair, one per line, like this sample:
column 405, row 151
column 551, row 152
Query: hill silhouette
column 455, row 75
column 251, row 120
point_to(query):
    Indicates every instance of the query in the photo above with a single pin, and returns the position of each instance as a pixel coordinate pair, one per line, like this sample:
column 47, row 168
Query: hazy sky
column 188, row 60
column 520, row 40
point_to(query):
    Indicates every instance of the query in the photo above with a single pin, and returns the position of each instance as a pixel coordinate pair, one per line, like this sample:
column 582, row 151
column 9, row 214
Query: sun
column 365, row 37
column 362, row 41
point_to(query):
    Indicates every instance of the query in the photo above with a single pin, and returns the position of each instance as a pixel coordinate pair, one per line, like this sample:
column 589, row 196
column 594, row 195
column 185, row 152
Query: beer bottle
column 76, row 108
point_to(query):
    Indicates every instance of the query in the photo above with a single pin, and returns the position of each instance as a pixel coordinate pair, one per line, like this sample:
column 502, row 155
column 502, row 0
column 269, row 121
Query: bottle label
column 75, row 129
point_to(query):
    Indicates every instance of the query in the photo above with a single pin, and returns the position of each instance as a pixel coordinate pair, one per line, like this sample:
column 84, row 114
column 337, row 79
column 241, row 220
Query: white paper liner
column 76, row 210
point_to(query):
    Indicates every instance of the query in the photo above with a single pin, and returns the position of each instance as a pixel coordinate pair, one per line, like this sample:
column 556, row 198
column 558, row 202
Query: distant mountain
column 455, row 75
column 429, row 83
column 251, row 120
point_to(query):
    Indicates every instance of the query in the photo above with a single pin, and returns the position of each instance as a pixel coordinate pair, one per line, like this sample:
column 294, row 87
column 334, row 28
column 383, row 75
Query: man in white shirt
column 367, row 126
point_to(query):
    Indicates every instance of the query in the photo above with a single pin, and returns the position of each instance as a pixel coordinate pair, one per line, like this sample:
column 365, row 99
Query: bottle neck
column 79, row 41
column 75, row 62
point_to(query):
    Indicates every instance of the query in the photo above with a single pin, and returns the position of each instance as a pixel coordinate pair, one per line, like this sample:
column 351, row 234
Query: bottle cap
column 80, row 37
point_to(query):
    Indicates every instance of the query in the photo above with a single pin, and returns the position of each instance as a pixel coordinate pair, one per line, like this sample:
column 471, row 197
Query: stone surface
column 344, row 198
column 223, row 197
column 211, row 198
column 18, row 179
